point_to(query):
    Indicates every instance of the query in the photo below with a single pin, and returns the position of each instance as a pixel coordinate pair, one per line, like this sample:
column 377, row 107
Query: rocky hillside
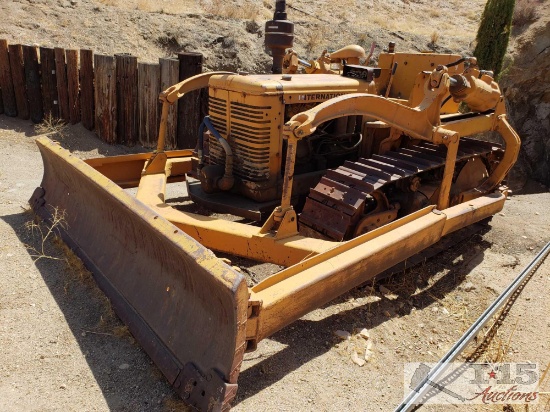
column 229, row 33
column 526, row 84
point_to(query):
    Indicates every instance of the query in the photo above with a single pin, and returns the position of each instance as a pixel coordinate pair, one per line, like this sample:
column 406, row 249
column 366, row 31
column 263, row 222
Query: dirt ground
column 64, row 349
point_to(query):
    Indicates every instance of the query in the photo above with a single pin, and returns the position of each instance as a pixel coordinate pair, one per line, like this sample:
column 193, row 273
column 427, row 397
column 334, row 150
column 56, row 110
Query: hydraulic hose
column 227, row 181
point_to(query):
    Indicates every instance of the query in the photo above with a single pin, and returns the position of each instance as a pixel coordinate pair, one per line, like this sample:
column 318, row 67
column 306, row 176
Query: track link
column 335, row 205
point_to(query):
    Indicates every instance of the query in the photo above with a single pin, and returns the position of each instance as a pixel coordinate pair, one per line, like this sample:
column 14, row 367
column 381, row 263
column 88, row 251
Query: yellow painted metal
column 474, row 210
column 409, row 65
column 199, row 81
column 181, row 302
column 451, row 141
column 418, row 122
column 126, row 170
column 253, row 109
column 292, row 297
column 230, row 237
column 293, row 292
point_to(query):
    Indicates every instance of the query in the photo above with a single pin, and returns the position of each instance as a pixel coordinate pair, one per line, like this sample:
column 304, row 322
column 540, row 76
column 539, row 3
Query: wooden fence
column 116, row 96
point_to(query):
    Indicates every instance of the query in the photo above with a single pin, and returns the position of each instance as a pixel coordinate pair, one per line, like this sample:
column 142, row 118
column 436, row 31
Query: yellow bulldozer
column 335, row 175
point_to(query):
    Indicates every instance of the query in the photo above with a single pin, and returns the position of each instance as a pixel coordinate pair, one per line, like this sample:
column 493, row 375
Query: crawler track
column 335, row 205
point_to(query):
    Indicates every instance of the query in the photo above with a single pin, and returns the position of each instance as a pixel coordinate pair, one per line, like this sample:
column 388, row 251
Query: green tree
column 493, row 34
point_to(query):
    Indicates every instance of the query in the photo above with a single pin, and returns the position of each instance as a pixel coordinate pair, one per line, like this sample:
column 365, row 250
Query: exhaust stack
column 279, row 35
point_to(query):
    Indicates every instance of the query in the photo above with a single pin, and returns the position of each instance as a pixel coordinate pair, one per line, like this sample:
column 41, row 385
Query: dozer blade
column 185, row 306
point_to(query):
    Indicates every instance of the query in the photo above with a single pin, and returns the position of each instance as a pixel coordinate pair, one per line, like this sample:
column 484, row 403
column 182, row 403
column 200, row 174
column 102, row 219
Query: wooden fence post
column 49, row 82
column 62, row 84
column 73, row 85
column 105, row 98
column 87, row 88
column 32, row 80
column 9, row 105
column 126, row 77
column 169, row 75
column 189, row 108
column 18, row 77
column 149, row 105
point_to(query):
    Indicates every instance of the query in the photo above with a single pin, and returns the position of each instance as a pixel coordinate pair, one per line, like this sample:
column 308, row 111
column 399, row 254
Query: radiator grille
column 249, row 137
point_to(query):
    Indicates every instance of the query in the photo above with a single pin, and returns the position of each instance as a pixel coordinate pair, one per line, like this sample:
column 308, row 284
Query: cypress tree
column 493, row 34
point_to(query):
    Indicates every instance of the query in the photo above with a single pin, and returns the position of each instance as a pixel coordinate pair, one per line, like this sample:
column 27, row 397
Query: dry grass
column 525, row 12
column 53, row 127
column 45, row 233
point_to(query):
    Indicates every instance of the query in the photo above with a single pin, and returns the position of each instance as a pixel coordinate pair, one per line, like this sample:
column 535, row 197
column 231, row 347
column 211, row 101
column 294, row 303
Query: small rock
column 368, row 346
column 387, row 314
column 342, row 334
column 368, row 355
column 524, row 237
column 63, row 386
column 364, row 333
column 124, row 366
column 420, row 325
column 445, row 311
column 374, row 299
column 435, row 309
column 357, row 360
column 468, row 287
column 384, row 290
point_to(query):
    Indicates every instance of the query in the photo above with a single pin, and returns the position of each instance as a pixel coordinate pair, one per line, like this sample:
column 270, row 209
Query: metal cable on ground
column 414, row 399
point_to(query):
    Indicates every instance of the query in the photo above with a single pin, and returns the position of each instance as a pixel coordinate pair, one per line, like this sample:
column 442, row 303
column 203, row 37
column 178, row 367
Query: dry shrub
column 525, row 12
column 44, row 233
column 434, row 37
column 51, row 126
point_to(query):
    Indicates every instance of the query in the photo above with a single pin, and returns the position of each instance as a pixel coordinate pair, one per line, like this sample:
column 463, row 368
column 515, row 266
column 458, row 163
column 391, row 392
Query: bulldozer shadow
column 121, row 369
column 417, row 288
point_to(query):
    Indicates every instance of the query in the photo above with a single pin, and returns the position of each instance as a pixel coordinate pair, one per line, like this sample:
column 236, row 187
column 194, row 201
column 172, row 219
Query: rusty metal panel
column 181, row 303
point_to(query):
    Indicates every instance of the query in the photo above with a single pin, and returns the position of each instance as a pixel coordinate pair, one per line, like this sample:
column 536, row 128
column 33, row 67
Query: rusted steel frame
column 175, row 92
column 450, row 139
column 308, row 285
column 289, row 172
column 199, row 81
column 126, row 170
column 230, row 237
column 512, row 142
column 412, row 121
column 289, row 294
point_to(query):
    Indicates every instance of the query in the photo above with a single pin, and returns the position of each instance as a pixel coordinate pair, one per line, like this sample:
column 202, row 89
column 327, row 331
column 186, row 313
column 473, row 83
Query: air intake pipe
column 279, row 35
